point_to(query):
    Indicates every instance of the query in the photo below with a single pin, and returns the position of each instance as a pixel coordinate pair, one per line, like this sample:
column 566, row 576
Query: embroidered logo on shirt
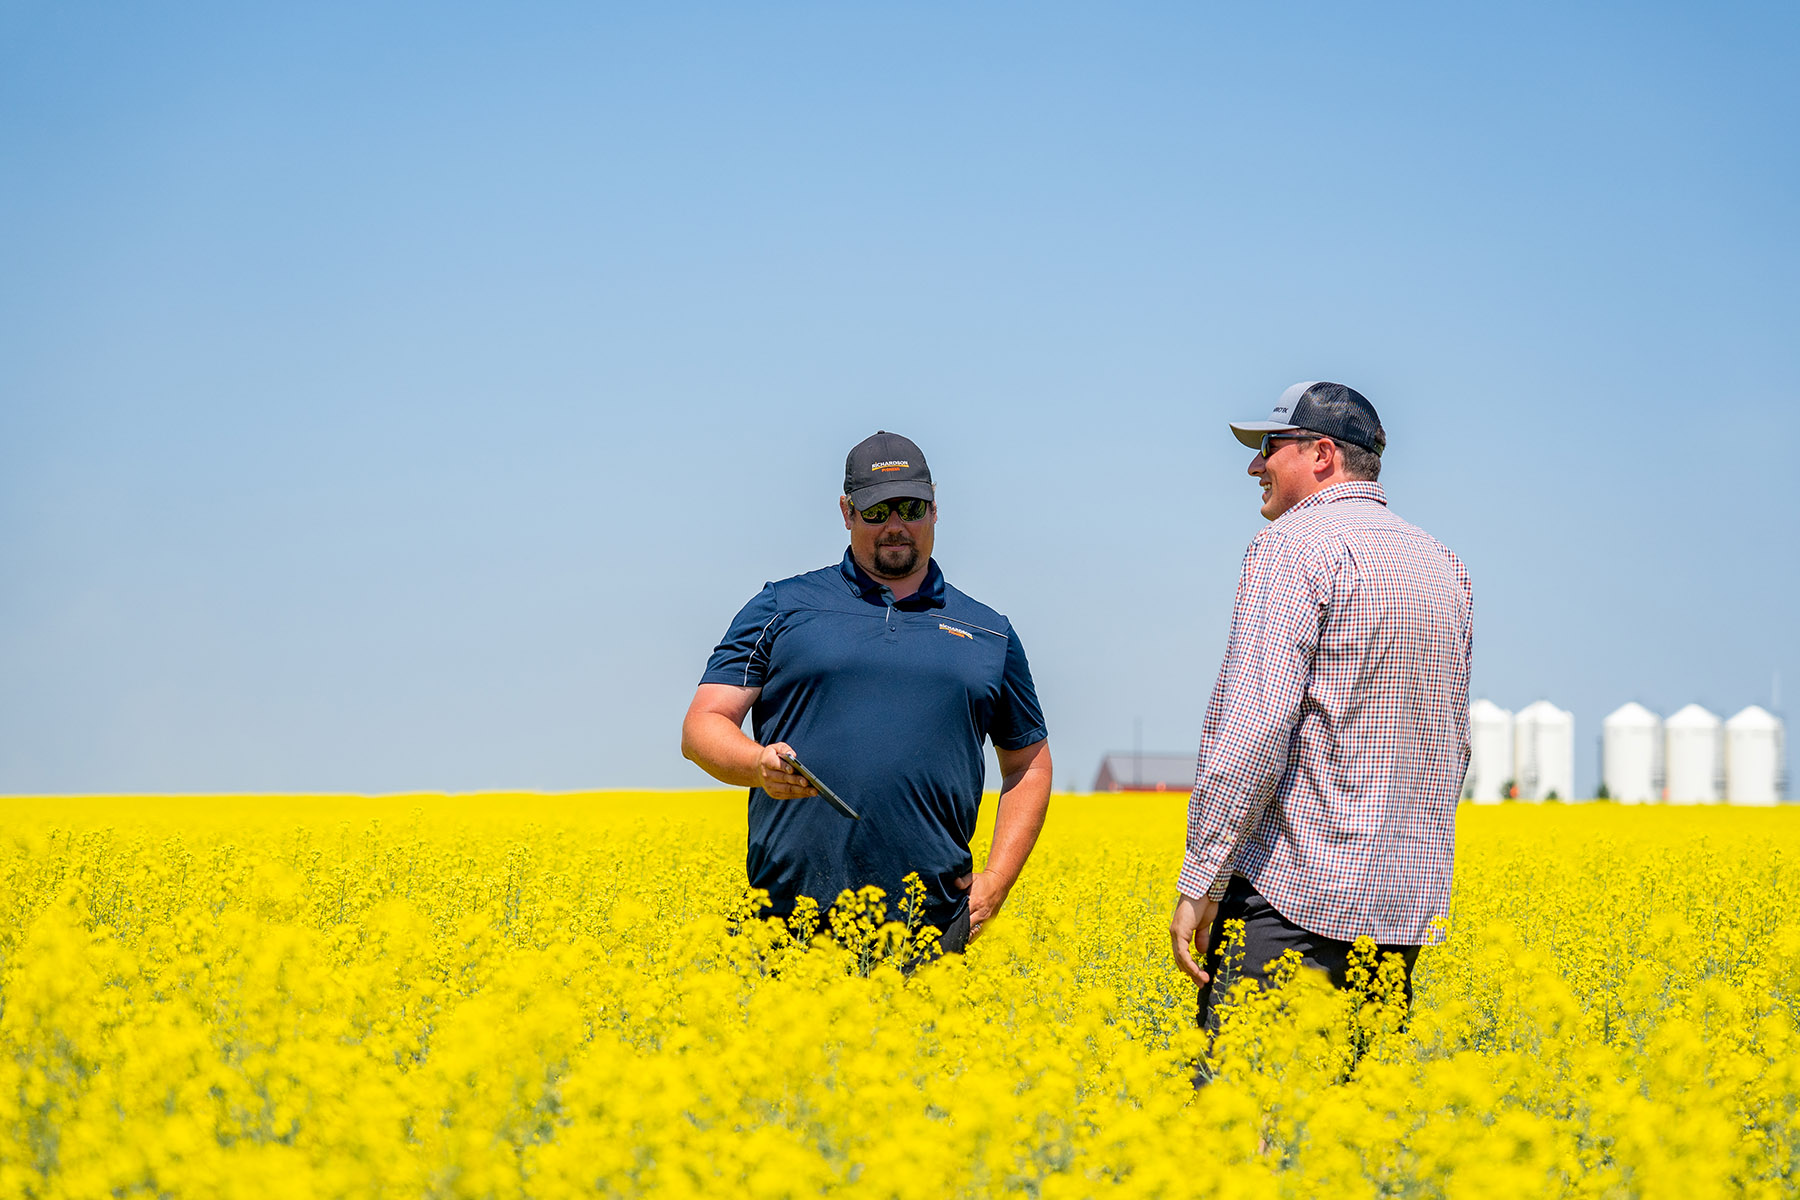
column 893, row 464
column 958, row 632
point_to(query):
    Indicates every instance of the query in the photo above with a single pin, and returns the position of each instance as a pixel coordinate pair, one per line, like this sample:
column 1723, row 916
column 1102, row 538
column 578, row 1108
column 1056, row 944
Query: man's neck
column 1331, row 481
column 902, row 588
column 1319, row 485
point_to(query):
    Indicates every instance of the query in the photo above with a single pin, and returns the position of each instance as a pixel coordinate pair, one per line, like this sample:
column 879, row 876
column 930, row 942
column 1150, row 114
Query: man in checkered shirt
column 1333, row 752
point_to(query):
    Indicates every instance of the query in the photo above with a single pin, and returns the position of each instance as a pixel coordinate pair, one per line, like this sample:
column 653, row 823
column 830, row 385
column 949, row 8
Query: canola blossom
column 570, row 995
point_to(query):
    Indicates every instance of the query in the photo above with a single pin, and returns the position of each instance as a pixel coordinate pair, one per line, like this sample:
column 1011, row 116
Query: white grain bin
column 1631, row 750
column 1755, row 753
column 1693, row 756
column 1490, row 752
column 1544, row 751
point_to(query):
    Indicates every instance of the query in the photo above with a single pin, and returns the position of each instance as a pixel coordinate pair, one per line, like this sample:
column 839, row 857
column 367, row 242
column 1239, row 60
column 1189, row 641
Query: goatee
column 896, row 560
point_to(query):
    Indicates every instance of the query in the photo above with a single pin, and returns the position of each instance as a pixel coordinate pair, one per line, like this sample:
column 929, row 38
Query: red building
column 1146, row 773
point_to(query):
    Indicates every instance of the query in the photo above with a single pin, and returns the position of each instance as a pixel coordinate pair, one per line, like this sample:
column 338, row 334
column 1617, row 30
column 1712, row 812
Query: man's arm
column 1243, row 749
column 713, row 737
column 1275, row 631
column 1024, row 801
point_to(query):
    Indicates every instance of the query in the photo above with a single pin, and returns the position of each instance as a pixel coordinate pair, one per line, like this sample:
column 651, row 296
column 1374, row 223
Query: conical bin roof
column 1691, row 716
column 1631, row 715
column 1754, row 717
column 1543, row 712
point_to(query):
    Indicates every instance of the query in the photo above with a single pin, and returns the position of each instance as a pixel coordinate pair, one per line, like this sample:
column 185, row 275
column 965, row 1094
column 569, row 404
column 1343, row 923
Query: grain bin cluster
column 1528, row 755
column 1689, row 757
column 1692, row 757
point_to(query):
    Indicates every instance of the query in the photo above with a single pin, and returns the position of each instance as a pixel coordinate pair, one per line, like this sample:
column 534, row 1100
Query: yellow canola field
column 545, row 996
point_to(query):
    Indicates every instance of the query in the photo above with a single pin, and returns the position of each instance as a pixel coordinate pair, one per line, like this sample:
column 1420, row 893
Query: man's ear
column 1325, row 457
column 844, row 510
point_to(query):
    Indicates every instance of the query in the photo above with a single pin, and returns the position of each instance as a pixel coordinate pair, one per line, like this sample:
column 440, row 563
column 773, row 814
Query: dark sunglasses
column 909, row 510
column 1269, row 439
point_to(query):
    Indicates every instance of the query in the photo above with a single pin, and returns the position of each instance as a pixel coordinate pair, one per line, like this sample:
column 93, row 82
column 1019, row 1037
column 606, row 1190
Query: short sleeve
column 1018, row 720
column 742, row 656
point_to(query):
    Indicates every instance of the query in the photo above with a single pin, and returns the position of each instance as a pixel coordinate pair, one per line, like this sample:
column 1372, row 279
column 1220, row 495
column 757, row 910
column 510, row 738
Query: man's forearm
column 1024, row 803
column 1212, row 845
column 1238, row 776
column 720, row 748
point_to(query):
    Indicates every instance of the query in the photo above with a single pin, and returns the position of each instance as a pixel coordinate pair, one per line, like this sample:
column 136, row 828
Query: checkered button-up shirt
column 1334, row 748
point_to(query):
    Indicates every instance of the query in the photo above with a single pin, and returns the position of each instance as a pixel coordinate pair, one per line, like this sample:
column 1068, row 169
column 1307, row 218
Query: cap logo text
column 893, row 464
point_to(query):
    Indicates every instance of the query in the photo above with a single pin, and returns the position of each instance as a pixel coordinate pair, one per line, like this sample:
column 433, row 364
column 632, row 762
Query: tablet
column 824, row 791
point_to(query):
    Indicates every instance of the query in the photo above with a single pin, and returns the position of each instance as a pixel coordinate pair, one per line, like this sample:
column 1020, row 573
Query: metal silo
column 1693, row 756
column 1544, row 752
column 1755, row 754
column 1490, row 753
column 1631, row 750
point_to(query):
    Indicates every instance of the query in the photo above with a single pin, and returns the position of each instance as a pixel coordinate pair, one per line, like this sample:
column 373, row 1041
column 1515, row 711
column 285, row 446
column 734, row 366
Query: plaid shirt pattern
column 1335, row 744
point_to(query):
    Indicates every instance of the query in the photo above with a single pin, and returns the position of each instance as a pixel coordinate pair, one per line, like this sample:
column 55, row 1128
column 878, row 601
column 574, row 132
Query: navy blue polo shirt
column 888, row 701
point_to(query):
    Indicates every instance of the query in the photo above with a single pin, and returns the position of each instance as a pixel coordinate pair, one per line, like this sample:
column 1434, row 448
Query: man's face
column 894, row 548
column 1287, row 475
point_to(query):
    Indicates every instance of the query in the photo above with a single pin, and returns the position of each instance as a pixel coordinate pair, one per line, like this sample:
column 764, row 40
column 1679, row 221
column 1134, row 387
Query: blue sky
column 405, row 397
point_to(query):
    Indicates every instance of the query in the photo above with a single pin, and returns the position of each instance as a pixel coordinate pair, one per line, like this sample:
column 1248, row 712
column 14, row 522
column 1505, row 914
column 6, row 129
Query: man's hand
column 1024, row 799
column 987, row 892
column 773, row 776
column 1190, row 931
column 712, row 735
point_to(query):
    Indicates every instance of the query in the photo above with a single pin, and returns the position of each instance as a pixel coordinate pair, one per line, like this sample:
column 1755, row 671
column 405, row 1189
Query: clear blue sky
column 405, row 397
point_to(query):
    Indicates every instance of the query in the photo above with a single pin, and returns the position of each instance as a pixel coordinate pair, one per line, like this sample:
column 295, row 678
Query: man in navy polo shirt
column 885, row 681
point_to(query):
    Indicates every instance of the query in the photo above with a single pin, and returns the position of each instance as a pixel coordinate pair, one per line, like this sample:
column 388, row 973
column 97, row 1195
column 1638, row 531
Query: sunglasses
column 1269, row 439
column 909, row 510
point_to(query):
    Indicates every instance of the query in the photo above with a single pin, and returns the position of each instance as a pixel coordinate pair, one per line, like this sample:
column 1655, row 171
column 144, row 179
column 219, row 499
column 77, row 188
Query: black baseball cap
column 886, row 467
column 1341, row 413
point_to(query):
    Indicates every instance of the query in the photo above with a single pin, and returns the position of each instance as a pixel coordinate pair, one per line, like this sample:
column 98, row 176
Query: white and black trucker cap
column 886, row 466
column 1339, row 412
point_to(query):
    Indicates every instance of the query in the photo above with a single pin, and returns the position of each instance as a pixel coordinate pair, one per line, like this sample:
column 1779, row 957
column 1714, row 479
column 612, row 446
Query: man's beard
column 896, row 560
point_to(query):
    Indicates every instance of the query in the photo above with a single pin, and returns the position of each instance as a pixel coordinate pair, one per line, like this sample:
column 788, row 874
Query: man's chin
column 890, row 566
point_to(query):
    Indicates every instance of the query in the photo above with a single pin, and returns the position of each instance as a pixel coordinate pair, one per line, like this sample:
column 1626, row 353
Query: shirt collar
column 1355, row 489
column 929, row 595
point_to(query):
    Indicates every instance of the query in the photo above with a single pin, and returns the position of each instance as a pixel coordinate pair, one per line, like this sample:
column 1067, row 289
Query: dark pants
column 1267, row 936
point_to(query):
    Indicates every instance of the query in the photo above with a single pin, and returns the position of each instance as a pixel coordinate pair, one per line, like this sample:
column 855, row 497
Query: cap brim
column 896, row 489
column 1251, row 432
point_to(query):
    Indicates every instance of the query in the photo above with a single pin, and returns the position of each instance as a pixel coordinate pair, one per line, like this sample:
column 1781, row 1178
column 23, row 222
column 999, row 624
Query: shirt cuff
column 1200, row 881
column 1196, row 877
column 1030, row 737
column 735, row 676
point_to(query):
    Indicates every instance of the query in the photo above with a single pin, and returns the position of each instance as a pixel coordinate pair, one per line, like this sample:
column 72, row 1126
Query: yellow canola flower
column 550, row 996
